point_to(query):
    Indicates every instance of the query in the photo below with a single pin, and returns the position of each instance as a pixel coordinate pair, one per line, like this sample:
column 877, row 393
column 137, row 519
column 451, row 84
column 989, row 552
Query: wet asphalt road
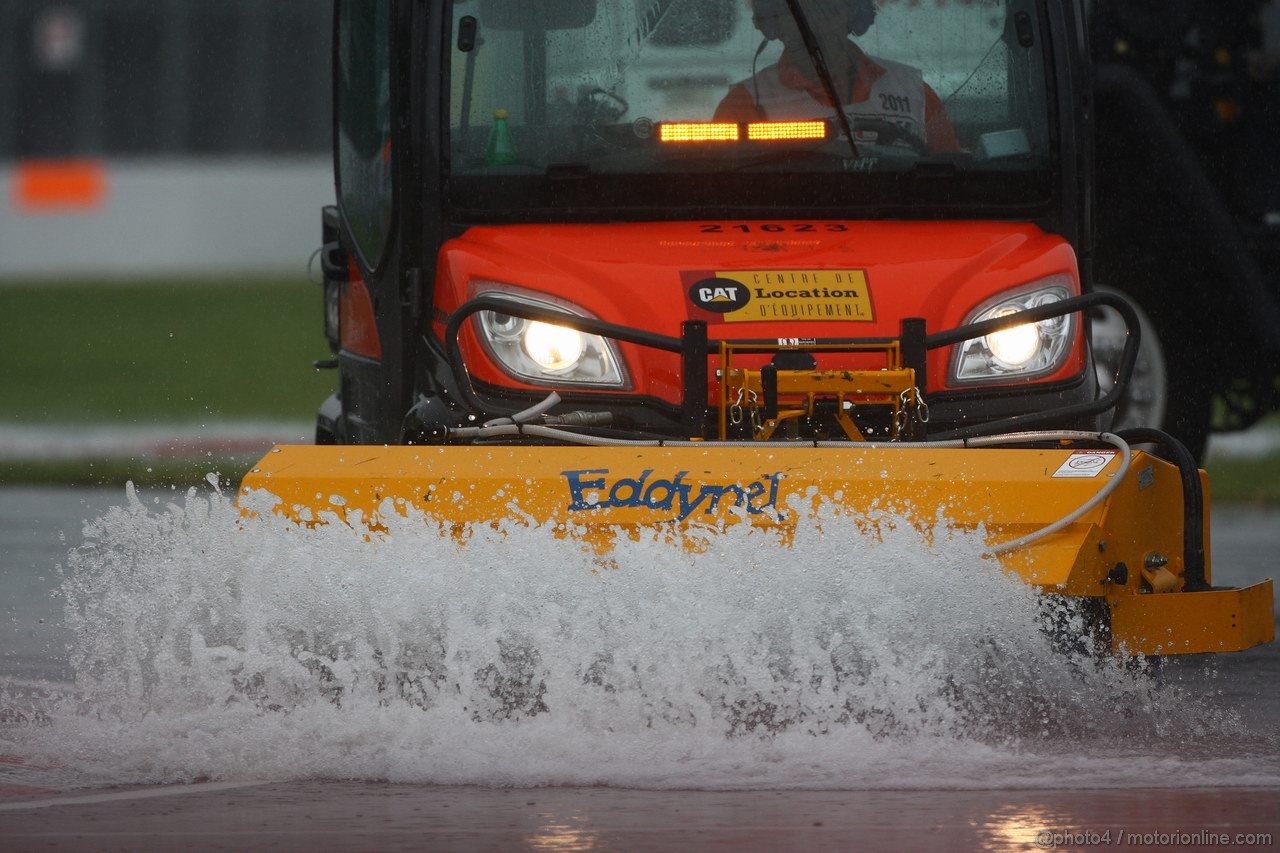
column 361, row 816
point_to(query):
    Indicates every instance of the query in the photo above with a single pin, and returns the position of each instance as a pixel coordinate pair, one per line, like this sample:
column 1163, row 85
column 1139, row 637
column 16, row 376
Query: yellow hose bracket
column 799, row 389
column 1188, row 623
column 880, row 386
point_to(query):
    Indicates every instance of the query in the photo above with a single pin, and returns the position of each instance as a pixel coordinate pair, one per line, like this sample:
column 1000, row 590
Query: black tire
column 1170, row 388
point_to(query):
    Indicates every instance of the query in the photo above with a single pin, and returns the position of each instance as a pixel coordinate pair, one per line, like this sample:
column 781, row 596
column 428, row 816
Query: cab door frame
column 378, row 222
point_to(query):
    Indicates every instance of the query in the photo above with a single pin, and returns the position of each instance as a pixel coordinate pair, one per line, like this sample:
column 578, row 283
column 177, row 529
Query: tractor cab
column 738, row 186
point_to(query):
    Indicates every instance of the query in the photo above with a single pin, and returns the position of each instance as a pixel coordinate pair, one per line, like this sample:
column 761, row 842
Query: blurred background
column 163, row 164
column 145, row 136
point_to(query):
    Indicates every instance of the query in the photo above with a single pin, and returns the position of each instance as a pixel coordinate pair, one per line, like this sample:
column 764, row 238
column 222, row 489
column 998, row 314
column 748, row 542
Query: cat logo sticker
column 746, row 296
column 719, row 295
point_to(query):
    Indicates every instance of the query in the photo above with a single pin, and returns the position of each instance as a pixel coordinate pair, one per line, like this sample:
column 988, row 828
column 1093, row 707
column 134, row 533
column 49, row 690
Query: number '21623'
column 774, row 227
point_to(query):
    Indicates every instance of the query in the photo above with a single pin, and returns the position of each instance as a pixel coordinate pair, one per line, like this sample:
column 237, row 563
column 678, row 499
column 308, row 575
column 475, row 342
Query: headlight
column 1020, row 352
column 554, row 348
column 1013, row 348
column 544, row 353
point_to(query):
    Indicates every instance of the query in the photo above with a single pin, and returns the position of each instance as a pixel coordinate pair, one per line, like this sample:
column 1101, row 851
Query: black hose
column 1193, row 557
column 1214, row 221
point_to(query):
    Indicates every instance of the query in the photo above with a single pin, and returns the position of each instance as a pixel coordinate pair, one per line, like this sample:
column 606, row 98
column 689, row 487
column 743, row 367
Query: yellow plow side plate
column 1182, row 623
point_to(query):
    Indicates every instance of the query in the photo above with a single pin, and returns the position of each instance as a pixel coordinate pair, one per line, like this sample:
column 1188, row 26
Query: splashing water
column 211, row 645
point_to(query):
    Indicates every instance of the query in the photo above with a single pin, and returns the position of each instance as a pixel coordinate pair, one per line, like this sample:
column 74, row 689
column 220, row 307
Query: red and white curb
column 56, row 442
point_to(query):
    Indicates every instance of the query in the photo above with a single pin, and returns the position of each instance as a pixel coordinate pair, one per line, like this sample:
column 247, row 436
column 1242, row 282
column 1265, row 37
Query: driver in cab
column 870, row 89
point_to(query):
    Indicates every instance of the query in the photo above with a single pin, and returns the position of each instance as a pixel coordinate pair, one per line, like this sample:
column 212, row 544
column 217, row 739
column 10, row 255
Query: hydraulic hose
column 1193, row 555
column 528, row 414
column 1214, row 220
column 1110, row 486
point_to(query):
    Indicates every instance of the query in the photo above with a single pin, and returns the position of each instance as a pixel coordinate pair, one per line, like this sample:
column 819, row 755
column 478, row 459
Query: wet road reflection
column 346, row 816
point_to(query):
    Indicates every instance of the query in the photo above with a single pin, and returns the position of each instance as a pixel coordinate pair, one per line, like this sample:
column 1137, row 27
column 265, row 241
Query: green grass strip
column 161, row 351
column 1254, row 480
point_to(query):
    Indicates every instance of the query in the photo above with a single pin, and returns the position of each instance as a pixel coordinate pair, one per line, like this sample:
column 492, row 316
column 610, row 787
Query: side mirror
column 545, row 15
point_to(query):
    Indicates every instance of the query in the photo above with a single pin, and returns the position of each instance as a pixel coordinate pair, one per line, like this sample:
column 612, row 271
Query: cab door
column 372, row 316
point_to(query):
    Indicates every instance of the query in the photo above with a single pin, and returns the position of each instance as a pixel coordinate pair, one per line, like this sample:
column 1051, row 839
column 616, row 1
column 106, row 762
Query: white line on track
column 138, row 794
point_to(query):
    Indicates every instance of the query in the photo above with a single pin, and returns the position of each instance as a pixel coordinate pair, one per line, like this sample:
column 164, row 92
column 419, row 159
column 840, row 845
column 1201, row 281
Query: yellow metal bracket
column 1216, row 620
column 740, row 389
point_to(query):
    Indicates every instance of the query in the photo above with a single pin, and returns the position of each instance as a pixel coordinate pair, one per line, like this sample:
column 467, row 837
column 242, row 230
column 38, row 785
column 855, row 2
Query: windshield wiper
column 792, row 155
column 934, row 167
column 568, row 171
column 824, row 73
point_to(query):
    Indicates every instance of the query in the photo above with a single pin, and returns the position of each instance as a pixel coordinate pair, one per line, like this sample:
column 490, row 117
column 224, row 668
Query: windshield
column 675, row 103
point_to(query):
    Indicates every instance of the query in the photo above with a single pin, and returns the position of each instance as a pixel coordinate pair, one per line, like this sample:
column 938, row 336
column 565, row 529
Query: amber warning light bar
column 756, row 131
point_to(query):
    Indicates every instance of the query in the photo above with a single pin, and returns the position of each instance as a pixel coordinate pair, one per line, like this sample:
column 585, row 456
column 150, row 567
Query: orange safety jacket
column 880, row 89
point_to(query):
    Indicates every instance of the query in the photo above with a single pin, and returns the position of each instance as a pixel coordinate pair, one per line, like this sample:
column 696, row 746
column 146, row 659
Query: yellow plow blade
column 1128, row 549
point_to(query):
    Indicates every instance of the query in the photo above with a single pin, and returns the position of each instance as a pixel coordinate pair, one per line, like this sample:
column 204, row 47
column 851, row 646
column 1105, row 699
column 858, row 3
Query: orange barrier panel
column 59, row 186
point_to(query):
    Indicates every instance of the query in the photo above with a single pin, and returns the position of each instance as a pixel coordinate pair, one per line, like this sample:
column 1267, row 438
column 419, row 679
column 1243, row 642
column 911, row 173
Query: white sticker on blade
column 1085, row 463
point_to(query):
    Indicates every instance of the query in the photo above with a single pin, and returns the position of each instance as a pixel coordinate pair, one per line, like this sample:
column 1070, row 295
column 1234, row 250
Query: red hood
column 645, row 275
